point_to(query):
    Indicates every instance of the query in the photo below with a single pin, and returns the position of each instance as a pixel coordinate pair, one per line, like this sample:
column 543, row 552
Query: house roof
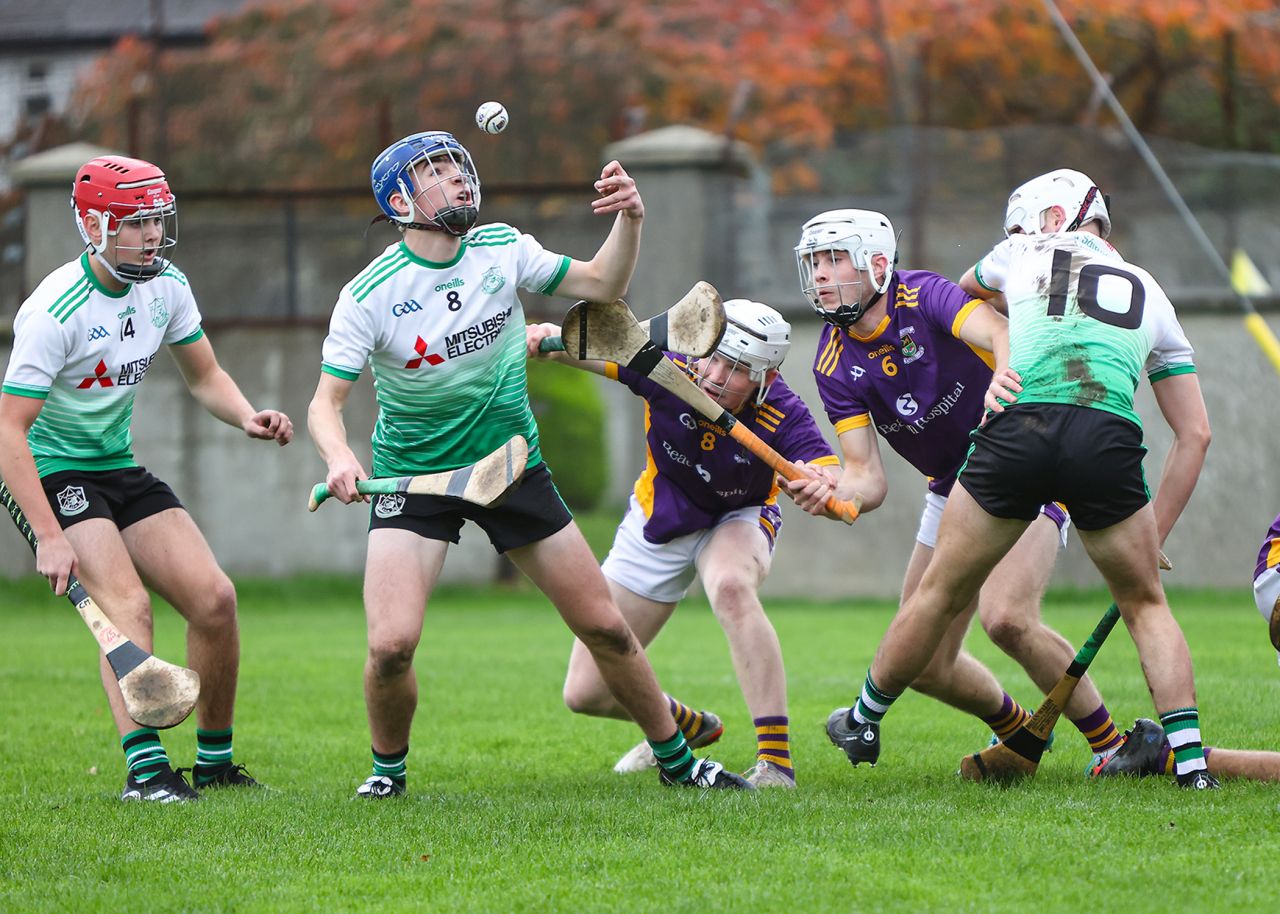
column 33, row 25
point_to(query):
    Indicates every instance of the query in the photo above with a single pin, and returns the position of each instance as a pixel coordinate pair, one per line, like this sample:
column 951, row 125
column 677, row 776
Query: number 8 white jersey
column 1083, row 323
column 447, row 346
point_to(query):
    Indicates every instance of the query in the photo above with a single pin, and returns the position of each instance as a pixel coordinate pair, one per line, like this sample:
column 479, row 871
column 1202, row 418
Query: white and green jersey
column 447, row 346
column 1083, row 323
column 83, row 349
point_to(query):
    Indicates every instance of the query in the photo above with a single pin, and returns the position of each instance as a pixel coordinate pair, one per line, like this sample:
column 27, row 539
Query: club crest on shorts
column 71, row 501
column 492, row 281
column 389, row 505
column 159, row 313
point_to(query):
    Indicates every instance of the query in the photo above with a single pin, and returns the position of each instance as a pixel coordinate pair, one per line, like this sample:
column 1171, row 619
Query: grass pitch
column 513, row 806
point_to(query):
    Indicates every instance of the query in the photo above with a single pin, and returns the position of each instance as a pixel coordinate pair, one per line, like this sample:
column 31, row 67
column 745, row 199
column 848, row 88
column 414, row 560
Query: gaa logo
column 400, row 309
column 98, row 333
column 687, row 421
column 907, row 405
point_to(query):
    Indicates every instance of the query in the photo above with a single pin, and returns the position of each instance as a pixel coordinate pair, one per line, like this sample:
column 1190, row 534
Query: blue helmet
column 393, row 171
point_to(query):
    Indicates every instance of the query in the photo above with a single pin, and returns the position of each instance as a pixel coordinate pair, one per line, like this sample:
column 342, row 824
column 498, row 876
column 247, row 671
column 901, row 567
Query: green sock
column 873, row 704
column 674, row 756
column 213, row 754
column 391, row 765
column 1182, row 730
column 143, row 754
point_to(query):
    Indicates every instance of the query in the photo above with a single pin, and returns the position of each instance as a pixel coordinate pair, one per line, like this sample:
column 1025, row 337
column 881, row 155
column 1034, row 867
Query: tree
column 294, row 93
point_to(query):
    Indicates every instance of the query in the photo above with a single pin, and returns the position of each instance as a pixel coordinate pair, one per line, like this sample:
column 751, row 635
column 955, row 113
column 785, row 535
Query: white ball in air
column 491, row 117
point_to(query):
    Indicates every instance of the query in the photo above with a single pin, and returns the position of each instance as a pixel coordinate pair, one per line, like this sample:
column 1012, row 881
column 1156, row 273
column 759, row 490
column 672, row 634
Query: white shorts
column 931, row 516
column 1266, row 590
column 662, row 572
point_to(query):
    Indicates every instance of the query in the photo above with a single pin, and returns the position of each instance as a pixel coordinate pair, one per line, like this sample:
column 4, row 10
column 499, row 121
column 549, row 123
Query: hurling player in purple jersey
column 907, row 354
column 705, row 505
column 1266, row 581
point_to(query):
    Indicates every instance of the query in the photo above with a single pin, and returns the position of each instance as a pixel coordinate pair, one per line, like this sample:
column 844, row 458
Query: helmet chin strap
column 848, row 315
column 130, row 274
column 456, row 221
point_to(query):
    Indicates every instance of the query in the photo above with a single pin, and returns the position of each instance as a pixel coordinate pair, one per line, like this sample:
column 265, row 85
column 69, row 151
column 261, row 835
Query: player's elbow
column 1196, row 436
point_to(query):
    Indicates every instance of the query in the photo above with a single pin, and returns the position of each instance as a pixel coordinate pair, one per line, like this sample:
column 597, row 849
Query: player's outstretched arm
column 1182, row 405
column 217, row 392
column 605, row 276
column 329, row 432
column 55, row 559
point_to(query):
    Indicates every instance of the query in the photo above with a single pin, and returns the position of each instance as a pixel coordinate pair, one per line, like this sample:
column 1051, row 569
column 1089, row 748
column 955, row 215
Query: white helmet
column 755, row 337
column 1074, row 191
column 861, row 233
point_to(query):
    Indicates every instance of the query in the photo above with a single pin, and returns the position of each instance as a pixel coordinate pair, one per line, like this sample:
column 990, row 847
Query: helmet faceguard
column 428, row 170
column 132, row 204
column 1074, row 191
column 858, row 233
column 756, row 338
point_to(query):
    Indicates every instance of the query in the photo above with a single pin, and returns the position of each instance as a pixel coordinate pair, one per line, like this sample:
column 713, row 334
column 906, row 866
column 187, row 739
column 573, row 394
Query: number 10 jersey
column 1083, row 323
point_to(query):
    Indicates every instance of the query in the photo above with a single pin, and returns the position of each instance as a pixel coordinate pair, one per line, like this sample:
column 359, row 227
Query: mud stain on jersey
column 1088, row 390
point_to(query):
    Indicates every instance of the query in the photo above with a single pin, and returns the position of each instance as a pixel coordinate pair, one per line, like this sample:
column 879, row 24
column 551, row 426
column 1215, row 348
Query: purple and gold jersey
column 1269, row 554
column 913, row 378
column 694, row 472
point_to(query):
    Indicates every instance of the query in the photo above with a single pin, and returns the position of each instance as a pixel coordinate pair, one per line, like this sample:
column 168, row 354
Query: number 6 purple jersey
column 913, row 378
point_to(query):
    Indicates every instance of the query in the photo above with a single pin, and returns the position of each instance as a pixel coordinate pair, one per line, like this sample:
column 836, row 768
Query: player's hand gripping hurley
column 610, row 332
column 481, row 483
column 156, row 693
column 693, row 325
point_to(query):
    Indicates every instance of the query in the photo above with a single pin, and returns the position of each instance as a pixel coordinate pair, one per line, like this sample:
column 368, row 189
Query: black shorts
column 121, row 496
column 532, row 511
column 1035, row 453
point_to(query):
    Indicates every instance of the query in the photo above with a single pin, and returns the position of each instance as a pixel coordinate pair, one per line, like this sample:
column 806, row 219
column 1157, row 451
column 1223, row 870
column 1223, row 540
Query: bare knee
column 131, row 613
column 1008, row 630
column 592, row 699
column 608, row 641
column 391, row 659
column 215, row 609
column 733, row 599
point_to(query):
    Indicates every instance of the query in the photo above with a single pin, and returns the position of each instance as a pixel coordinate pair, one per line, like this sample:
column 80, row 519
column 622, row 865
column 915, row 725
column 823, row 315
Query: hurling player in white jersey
column 1061, row 426
column 83, row 342
column 437, row 318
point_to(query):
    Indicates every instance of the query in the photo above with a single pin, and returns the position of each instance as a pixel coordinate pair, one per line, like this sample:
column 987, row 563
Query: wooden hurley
column 481, row 483
column 156, row 693
column 608, row 331
column 693, row 326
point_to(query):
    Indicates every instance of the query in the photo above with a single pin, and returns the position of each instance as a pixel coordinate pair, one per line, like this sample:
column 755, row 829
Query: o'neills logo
column 477, row 336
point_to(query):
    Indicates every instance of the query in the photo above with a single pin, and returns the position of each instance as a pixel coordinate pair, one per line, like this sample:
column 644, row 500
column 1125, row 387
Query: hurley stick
column 1019, row 755
column 693, row 325
column 481, row 483
column 608, row 331
column 156, row 693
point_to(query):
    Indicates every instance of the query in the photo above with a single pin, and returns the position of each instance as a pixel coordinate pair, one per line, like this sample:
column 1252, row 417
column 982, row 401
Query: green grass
column 513, row 806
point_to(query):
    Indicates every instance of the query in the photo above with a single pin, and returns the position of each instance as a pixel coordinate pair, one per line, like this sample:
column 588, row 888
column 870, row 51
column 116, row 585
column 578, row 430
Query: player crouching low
column 705, row 505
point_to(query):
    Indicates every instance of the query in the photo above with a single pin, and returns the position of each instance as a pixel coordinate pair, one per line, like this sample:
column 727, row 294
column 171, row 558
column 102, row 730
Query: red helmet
column 116, row 188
